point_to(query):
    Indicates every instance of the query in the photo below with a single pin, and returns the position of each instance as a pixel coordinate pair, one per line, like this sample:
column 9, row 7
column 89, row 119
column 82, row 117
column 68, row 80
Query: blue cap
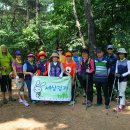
column 18, row 52
column 74, row 50
column 99, row 49
column 85, row 50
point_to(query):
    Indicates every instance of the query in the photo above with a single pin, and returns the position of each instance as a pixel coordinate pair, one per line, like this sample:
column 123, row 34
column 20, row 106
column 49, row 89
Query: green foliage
column 52, row 28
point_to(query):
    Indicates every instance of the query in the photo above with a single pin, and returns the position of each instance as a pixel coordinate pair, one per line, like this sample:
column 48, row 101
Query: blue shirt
column 77, row 59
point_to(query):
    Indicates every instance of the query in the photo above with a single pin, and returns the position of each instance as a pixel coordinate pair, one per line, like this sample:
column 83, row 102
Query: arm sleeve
column 74, row 70
column 25, row 67
column 92, row 68
column 46, row 71
column 128, row 72
column 79, row 69
column 49, row 69
column 13, row 64
column 62, row 70
column 116, row 72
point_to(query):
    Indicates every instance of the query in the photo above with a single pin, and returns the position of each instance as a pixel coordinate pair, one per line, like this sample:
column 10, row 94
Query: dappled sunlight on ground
column 29, row 123
column 55, row 116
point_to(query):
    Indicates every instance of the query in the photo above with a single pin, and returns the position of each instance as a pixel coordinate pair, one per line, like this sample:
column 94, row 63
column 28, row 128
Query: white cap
column 109, row 47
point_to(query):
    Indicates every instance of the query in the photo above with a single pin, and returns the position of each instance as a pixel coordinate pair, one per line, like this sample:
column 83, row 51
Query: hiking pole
column 86, row 91
column 111, row 94
column 112, row 89
column 118, row 97
column 74, row 92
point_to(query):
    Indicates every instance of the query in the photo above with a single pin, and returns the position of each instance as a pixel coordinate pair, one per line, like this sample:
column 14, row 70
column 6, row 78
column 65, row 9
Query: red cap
column 41, row 53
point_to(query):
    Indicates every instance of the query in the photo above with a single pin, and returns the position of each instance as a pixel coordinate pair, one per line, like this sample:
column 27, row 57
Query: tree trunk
column 13, row 19
column 78, row 24
column 37, row 10
column 91, row 27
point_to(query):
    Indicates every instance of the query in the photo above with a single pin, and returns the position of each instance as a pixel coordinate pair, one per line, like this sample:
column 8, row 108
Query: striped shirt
column 101, row 71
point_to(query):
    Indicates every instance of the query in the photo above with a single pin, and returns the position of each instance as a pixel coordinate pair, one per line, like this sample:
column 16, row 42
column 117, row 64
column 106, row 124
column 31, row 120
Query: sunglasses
column 109, row 49
column 30, row 56
column 60, row 50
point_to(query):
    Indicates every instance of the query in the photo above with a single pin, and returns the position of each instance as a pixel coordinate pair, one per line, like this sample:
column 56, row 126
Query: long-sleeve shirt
column 123, row 67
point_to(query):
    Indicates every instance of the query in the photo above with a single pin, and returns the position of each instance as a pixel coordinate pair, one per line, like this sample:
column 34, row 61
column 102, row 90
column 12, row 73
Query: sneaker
column 71, row 103
column 98, row 104
column 117, row 109
column 25, row 103
column 12, row 99
column 1, row 103
column 34, row 102
column 107, row 107
column 5, row 101
column 20, row 100
column 89, row 103
column 45, row 102
column 84, row 95
column 60, row 102
column 84, row 103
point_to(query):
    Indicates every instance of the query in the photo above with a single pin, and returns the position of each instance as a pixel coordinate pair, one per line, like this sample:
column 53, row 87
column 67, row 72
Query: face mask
column 42, row 60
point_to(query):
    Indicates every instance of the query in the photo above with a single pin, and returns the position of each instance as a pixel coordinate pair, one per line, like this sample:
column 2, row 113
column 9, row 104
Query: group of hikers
column 103, row 70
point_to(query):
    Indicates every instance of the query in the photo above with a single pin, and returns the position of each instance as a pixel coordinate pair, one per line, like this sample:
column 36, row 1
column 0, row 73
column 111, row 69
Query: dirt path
column 14, row 116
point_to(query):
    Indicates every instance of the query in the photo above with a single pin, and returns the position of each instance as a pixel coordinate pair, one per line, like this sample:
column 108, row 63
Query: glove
column 17, row 77
column 118, row 75
column 60, row 76
column 87, row 70
column 31, row 74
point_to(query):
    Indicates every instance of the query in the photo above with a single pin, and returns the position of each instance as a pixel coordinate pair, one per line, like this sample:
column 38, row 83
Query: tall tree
column 91, row 27
column 78, row 24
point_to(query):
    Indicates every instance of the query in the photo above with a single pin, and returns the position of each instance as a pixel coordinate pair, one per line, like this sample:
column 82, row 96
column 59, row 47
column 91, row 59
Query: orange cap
column 41, row 53
column 68, row 54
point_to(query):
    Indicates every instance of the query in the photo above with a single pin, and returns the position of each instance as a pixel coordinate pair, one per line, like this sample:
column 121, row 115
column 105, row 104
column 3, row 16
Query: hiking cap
column 98, row 49
column 18, row 52
column 122, row 50
column 74, row 50
column 109, row 47
column 41, row 53
column 68, row 54
column 84, row 50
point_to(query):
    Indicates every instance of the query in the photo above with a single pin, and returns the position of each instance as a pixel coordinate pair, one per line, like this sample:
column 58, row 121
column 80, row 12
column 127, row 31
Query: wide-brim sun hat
column 54, row 55
column 122, row 51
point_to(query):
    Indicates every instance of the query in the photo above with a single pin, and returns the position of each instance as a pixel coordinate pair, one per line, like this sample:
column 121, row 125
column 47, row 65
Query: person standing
column 19, row 77
column 86, row 73
column 42, row 65
column 55, row 68
column 101, row 77
column 122, row 72
column 70, row 70
column 5, row 69
column 77, row 59
column 61, row 56
column 29, row 70
column 111, row 58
